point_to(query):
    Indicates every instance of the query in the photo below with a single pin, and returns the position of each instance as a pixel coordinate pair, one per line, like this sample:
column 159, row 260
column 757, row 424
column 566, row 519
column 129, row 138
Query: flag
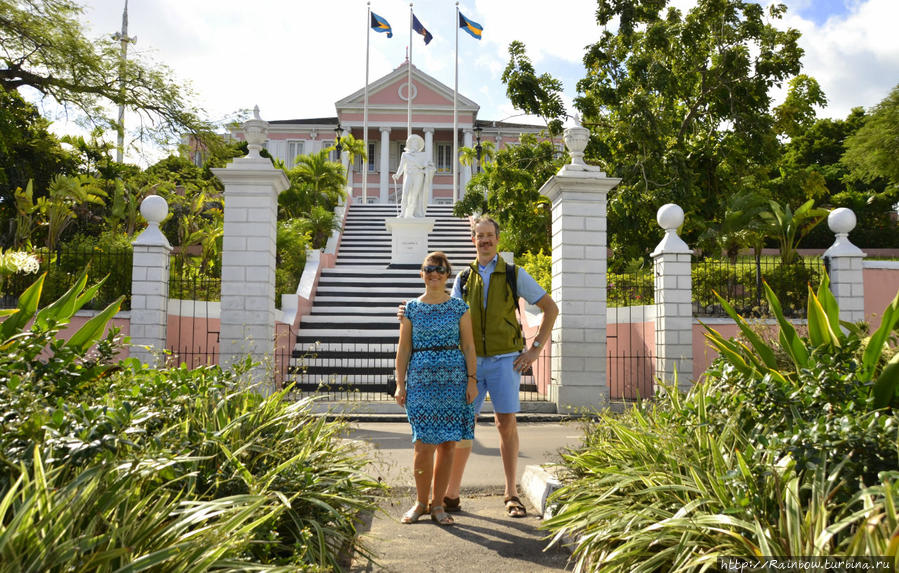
column 416, row 25
column 379, row 24
column 470, row 26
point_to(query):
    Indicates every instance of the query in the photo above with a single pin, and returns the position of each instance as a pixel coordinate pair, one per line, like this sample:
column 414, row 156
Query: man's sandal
column 440, row 516
column 514, row 507
column 452, row 505
column 413, row 514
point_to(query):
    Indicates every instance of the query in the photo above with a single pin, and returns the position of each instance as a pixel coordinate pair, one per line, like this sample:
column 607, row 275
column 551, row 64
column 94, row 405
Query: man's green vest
column 496, row 328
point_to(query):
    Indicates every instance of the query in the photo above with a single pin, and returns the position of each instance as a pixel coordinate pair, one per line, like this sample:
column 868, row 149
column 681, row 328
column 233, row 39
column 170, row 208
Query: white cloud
column 854, row 56
column 296, row 58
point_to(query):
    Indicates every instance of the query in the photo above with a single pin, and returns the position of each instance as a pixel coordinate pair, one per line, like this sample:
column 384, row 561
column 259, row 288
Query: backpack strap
column 512, row 280
column 463, row 281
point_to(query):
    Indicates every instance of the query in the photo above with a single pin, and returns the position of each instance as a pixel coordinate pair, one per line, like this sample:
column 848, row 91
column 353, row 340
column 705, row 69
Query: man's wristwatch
column 535, row 344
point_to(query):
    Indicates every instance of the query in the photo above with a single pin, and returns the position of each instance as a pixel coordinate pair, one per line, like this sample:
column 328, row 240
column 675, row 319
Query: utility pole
column 125, row 40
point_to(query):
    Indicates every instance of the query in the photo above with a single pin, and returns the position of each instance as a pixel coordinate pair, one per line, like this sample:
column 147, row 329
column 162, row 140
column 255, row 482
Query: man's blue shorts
column 497, row 376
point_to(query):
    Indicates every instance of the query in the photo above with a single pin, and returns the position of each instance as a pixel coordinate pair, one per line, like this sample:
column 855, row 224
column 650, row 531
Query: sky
column 295, row 58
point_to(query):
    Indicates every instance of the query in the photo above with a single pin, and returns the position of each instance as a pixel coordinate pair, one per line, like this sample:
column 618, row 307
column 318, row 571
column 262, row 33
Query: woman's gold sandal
column 413, row 514
column 440, row 516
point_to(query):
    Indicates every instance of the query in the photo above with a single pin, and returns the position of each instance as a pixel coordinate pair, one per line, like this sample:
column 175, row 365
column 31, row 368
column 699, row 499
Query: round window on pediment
column 400, row 91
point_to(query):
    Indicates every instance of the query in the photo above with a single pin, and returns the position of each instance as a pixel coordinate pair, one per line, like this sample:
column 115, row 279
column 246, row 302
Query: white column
column 672, row 261
column 385, row 165
column 846, row 266
column 578, row 194
column 252, row 186
column 429, row 149
column 466, row 169
column 150, row 286
column 429, row 141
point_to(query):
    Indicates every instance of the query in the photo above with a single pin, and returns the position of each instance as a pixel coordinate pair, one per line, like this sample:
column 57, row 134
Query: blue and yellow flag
column 379, row 24
column 416, row 25
column 470, row 26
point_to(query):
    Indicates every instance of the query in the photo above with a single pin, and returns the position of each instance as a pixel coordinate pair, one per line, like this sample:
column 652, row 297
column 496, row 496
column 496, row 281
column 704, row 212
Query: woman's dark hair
column 439, row 258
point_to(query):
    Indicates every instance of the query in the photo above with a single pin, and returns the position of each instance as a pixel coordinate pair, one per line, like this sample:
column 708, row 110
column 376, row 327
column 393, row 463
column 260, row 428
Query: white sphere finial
column 670, row 217
column 841, row 221
column 154, row 209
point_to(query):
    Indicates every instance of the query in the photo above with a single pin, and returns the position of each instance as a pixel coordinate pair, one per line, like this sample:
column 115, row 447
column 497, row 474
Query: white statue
column 418, row 171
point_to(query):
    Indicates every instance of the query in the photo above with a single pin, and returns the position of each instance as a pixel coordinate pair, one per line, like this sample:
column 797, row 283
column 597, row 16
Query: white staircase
column 348, row 341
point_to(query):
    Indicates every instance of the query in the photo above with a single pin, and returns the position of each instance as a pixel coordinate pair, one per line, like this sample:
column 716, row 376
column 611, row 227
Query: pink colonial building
column 432, row 119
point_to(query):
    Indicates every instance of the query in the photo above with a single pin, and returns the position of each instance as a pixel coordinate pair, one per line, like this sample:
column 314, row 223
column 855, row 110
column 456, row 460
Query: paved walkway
column 484, row 537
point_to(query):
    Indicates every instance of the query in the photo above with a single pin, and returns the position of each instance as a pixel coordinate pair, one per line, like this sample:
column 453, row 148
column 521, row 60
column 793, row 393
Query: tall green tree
column 315, row 180
column 680, row 107
column 873, row 150
column 43, row 46
column 28, row 152
column 508, row 188
column 537, row 95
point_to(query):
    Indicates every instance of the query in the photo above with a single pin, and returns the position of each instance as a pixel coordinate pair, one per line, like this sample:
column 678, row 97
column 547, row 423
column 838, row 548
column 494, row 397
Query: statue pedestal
column 409, row 239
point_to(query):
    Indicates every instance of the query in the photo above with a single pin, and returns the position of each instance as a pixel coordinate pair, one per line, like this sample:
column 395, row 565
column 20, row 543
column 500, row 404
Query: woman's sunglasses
column 434, row 268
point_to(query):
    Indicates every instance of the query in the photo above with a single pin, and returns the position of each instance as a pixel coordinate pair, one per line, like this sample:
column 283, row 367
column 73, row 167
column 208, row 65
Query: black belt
column 435, row 348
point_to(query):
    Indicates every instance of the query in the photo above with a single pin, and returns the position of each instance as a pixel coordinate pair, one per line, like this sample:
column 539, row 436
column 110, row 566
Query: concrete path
column 484, row 537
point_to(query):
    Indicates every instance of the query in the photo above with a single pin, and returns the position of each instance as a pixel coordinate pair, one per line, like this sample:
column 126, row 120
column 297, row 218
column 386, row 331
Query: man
column 500, row 350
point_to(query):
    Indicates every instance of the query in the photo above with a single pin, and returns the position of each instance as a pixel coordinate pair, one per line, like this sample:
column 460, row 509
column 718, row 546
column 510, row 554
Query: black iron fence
column 363, row 371
column 63, row 267
column 194, row 316
column 630, row 289
column 740, row 283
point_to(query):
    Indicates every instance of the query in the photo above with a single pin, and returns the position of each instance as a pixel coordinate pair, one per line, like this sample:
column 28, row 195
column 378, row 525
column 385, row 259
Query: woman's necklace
column 434, row 298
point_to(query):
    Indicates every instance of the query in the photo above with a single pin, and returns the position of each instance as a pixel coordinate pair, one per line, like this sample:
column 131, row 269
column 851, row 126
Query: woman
column 436, row 381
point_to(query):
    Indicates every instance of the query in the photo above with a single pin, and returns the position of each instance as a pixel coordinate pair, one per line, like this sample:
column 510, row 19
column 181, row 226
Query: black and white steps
column 348, row 341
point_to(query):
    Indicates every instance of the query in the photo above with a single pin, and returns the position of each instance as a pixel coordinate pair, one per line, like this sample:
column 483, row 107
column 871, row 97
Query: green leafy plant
column 825, row 334
column 107, row 463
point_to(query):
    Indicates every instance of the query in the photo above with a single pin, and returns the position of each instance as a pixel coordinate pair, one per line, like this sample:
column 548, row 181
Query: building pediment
column 390, row 92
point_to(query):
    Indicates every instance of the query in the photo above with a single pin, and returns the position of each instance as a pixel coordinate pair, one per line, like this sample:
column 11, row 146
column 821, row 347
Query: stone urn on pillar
column 576, row 139
column 256, row 131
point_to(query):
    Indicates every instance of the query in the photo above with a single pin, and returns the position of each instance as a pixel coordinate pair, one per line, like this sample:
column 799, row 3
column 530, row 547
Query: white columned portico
column 466, row 169
column 385, row 165
column 579, row 260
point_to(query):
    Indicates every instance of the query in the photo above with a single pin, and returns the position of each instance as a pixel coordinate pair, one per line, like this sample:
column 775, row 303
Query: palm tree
column 64, row 195
column 314, row 180
column 352, row 147
column 468, row 155
column 789, row 227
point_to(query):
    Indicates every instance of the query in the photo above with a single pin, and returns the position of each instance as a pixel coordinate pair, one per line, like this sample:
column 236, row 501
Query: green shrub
column 274, row 484
column 539, row 266
column 293, row 240
column 109, row 253
column 786, row 451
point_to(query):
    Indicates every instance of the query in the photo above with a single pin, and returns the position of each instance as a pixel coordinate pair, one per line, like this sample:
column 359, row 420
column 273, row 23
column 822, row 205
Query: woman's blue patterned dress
column 436, row 380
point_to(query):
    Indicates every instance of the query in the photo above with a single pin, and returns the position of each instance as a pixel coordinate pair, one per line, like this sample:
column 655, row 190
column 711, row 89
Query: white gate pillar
column 252, row 185
column 150, row 285
column 846, row 266
column 579, row 260
column 672, row 260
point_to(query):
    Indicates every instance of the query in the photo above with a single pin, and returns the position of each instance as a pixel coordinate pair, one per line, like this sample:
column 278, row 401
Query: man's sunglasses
column 434, row 268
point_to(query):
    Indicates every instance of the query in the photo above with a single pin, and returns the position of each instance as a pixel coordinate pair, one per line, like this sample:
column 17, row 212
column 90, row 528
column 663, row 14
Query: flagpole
column 409, row 80
column 365, row 112
column 455, row 117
